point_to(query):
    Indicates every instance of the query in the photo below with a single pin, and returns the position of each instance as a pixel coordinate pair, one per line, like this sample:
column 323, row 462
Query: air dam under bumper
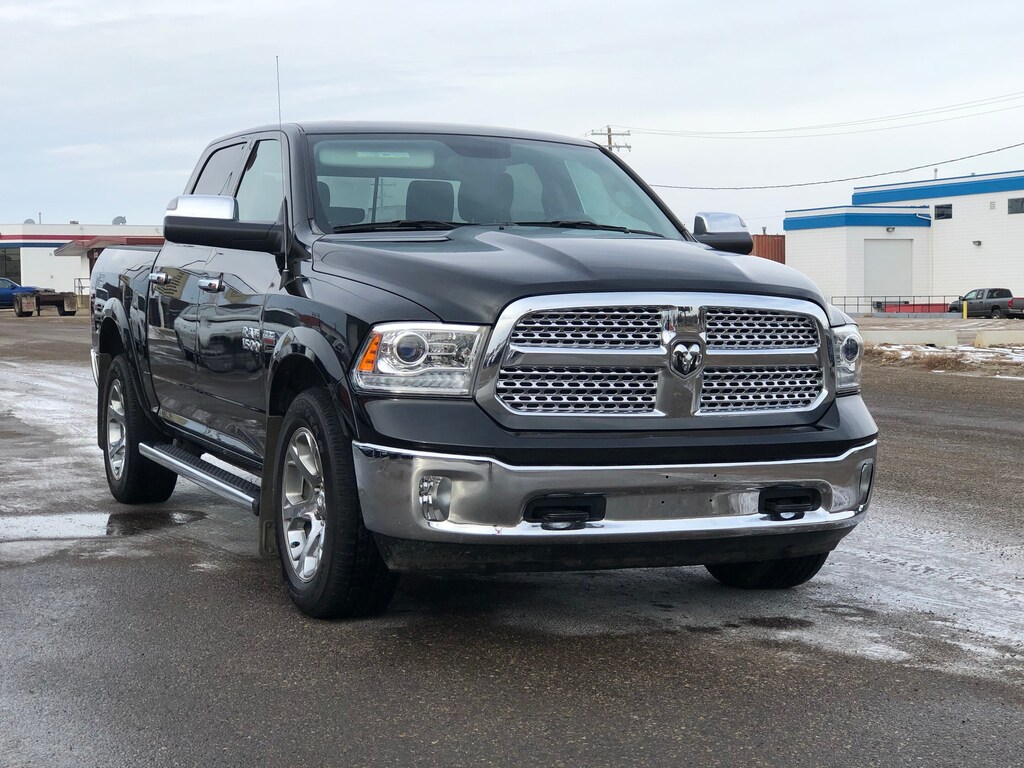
column 653, row 515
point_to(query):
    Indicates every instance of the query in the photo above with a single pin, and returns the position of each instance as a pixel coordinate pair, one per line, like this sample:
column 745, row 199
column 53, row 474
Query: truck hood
column 470, row 274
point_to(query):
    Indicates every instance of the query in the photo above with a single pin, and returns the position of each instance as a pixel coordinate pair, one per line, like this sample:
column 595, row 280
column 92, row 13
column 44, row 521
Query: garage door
column 888, row 267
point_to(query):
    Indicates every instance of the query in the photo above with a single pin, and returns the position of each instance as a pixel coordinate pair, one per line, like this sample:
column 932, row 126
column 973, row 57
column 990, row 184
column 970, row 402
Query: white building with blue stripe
column 915, row 239
column 60, row 256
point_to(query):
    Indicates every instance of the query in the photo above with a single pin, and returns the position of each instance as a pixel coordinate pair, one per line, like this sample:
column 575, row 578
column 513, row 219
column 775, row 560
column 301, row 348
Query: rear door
column 233, row 347
column 174, row 298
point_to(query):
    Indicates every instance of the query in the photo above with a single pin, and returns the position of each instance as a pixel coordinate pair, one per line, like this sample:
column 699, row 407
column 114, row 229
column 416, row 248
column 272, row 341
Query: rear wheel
column 133, row 479
column 997, row 312
column 18, row 311
column 65, row 312
column 769, row 574
column 330, row 561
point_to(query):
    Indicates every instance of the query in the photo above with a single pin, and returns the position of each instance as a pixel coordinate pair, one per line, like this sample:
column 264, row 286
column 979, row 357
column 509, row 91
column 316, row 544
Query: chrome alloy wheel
column 116, row 430
column 303, row 505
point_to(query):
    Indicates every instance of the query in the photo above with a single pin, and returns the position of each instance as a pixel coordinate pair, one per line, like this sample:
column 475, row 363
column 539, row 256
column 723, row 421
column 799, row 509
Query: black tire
column 351, row 578
column 997, row 313
column 65, row 312
column 19, row 312
column 137, row 480
column 769, row 574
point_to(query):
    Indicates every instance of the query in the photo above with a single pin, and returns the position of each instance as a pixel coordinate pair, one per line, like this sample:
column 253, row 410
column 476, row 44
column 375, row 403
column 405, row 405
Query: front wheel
column 330, row 561
column 769, row 574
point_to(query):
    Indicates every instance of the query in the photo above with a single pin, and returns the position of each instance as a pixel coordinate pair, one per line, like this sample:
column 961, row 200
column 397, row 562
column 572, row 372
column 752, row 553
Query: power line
column 801, row 130
column 848, row 178
column 659, row 132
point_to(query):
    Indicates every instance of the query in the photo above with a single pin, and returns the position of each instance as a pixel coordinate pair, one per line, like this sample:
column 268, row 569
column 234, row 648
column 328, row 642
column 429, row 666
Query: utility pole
column 609, row 134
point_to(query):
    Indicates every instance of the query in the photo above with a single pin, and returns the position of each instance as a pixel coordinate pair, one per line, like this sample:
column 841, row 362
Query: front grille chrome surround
column 758, row 388
column 549, row 389
column 567, row 362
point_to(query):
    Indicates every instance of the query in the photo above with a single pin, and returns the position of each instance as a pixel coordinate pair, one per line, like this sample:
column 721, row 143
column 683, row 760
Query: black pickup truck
column 445, row 348
column 989, row 302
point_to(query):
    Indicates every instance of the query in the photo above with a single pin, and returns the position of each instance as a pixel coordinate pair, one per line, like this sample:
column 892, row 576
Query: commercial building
column 938, row 237
column 56, row 255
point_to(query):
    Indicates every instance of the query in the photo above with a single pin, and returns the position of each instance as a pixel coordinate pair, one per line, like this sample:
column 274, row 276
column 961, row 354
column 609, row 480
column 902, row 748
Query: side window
column 1000, row 293
column 261, row 191
column 215, row 178
column 973, row 295
column 603, row 205
column 1015, row 205
column 944, row 211
column 6, row 283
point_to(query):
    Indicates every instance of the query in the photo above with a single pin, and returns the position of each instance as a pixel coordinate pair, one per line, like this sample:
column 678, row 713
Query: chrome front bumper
column 485, row 498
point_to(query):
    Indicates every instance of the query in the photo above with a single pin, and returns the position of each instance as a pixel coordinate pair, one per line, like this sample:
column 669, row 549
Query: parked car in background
column 8, row 288
column 990, row 302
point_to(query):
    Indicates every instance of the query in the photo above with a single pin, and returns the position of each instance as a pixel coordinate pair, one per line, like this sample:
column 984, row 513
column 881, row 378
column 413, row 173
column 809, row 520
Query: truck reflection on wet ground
column 92, row 525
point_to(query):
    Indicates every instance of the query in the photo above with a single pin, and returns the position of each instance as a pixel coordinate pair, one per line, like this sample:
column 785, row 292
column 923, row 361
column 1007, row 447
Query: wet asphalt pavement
column 156, row 636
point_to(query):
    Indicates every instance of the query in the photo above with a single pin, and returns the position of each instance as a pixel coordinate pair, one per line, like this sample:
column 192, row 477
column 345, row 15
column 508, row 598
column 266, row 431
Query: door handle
column 211, row 284
column 158, row 278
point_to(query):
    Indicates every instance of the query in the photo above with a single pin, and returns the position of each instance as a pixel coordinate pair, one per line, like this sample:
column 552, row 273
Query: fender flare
column 309, row 344
column 113, row 309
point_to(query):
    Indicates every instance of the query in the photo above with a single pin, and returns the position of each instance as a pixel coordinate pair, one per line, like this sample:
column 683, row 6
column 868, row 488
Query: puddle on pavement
column 89, row 525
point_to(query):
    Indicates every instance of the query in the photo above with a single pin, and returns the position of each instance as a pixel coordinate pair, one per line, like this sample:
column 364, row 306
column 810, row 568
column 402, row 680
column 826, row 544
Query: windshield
column 418, row 180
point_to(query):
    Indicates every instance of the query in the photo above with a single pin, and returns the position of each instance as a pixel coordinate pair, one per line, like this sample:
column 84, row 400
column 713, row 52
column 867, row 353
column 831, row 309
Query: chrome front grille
column 547, row 389
column 591, row 328
column 733, row 328
column 759, row 388
column 556, row 362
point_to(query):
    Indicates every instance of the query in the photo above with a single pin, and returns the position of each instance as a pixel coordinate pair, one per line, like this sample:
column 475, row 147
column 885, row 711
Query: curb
column 933, row 338
column 999, row 338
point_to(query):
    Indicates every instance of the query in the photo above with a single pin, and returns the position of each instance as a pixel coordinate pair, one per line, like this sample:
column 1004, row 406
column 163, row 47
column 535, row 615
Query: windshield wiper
column 398, row 225
column 585, row 224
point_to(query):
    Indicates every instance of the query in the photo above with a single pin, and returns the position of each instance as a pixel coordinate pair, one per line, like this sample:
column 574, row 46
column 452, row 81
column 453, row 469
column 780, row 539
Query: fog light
column 866, row 475
column 435, row 497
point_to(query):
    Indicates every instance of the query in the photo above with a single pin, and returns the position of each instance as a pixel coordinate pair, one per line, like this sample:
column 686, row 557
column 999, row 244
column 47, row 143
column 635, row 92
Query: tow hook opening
column 788, row 503
column 565, row 512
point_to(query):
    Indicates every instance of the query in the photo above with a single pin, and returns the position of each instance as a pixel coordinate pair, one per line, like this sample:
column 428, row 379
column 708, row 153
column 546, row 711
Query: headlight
column 419, row 359
column 847, row 355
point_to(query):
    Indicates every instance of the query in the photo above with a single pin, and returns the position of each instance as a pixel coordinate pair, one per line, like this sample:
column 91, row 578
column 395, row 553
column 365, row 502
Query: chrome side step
column 204, row 474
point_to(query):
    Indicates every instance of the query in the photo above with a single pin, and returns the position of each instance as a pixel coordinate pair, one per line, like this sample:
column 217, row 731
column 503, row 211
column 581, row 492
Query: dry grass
column 933, row 361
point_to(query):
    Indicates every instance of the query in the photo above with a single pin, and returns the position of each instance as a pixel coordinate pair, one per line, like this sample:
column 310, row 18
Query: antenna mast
column 277, row 66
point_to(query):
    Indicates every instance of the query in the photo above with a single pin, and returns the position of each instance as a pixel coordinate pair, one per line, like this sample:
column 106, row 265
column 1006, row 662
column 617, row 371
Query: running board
column 204, row 474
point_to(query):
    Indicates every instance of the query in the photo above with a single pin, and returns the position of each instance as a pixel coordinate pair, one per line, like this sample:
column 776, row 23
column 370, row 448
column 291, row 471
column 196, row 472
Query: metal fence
column 908, row 304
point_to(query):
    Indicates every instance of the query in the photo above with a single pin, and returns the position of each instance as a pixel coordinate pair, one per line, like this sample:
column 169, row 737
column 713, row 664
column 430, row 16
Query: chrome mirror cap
column 217, row 207
column 717, row 223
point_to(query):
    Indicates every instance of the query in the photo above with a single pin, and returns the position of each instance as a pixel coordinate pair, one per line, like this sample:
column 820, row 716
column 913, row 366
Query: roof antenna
column 277, row 66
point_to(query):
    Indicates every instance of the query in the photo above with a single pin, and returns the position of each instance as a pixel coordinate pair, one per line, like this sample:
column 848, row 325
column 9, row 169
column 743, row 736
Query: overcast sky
column 107, row 104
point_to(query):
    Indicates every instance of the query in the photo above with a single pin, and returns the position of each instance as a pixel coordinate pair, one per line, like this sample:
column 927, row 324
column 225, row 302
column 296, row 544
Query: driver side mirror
column 723, row 232
column 212, row 220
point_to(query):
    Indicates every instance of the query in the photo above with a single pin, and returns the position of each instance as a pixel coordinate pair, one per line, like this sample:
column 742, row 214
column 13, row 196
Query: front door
column 975, row 303
column 175, row 296
column 233, row 348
